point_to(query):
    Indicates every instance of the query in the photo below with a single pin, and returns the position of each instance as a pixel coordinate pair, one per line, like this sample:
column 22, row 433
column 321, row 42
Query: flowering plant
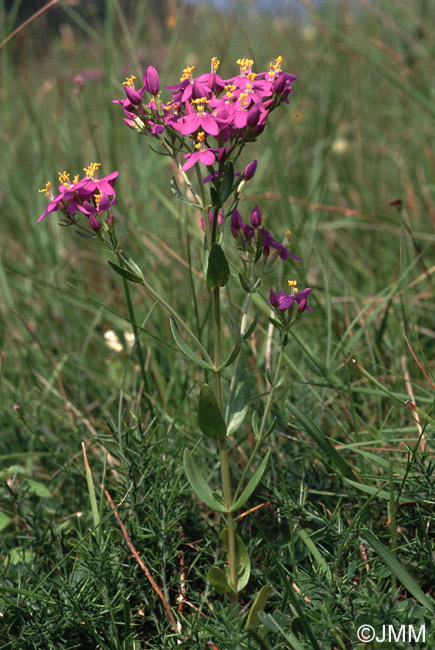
column 204, row 126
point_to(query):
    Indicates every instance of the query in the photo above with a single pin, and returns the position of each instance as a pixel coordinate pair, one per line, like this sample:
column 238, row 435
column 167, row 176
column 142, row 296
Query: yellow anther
column 214, row 64
column 288, row 236
column 251, row 76
column 201, row 136
column 230, row 87
column 200, row 103
column 129, row 81
column 97, row 198
column 64, row 178
column 46, row 190
column 187, row 73
column 278, row 61
column 91, row 170
column 245, row 65
column 76, row 179
column 292, row 283
column 263, row 220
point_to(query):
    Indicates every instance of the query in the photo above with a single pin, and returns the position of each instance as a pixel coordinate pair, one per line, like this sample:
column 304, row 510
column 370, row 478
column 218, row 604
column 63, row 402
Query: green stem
column 263, row 422
column 223, row 450
column 136, row 332
column 170, row 310
column 226, row 489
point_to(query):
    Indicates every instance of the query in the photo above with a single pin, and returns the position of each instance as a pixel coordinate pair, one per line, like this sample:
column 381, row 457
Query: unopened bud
column 94, row 223
column 250, row 170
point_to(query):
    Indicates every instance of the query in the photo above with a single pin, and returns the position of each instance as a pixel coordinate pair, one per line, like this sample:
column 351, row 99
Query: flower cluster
column 216, row 114
column 253, row 237
column 283, row 303
column 90, row 195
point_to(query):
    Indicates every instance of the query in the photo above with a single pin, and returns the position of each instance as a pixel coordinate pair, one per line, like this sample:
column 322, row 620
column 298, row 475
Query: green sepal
column 125, row 273
column 210, row 418
column 178, row 193
column 252, row 483
column 258, row 605
column 185, row 348
column 218, row 271
column 243, row 562
column 239, row 403
column 218, row 580
column 227, row 184
column 199, row 484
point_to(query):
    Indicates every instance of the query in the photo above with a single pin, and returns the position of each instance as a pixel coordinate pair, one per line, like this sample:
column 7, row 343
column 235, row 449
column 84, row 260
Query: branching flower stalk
column 204, row 127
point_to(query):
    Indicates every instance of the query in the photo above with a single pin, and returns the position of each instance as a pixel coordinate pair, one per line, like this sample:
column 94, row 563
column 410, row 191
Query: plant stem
column 223, row 450
column 136, row 332
column 263, row 422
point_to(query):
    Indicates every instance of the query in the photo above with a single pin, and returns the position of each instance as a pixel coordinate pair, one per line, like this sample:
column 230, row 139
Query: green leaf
column 37, row 488
column 398, row 570
column 185, row 348
column 215, row 200
column 210, row 419
column 277, row 623
column 178, row 193
column 227, row 184
column 237, row 345
column 258, row 605
column 251, row 328
column 218, row 271
column 4, row 520
column 218, row 580
column 252, row 483
column 199, row 484
column 125, row 273
column 243, row 563
column 239, row 403
column 334, row 457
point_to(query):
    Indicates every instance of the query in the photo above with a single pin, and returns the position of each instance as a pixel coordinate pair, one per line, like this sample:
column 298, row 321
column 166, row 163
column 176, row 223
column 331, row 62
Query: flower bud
column 256, row 217
column 253, row 116
column 94, row 223
column 151, row 80
column 250, row 170
column 133, row 95
column 236, row 223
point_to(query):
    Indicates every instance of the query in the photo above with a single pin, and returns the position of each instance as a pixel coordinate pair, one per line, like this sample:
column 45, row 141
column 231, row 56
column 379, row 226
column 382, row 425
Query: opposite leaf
column 218, row 271
column 252, row 483
column 210, row 419
column 257, row 606
column 243, row 562
column 199, row 484
column 218, row 580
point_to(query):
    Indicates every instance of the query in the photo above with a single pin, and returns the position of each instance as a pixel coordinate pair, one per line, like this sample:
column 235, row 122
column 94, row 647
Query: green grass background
column 357, row 135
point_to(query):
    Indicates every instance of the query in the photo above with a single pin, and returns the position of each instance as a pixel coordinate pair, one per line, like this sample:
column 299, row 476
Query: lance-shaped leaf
column 227, row 184
column 199, row 484
column 178, row 193
column 185, row 348
column 243, row 563
column 218, row 271
column 258, row 605
column 210, row 419
column 125, row 273
column 218, row 579
column 328, row 449
column 236, row 347
column 398, row 570
column 239, row 403
column 252, row 483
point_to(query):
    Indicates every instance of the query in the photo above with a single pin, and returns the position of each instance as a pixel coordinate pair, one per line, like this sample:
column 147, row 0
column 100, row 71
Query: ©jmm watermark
column 391, row 634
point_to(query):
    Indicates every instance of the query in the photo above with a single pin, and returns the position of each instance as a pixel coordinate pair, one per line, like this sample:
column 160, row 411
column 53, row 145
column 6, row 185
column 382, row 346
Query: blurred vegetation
column 356, row 137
